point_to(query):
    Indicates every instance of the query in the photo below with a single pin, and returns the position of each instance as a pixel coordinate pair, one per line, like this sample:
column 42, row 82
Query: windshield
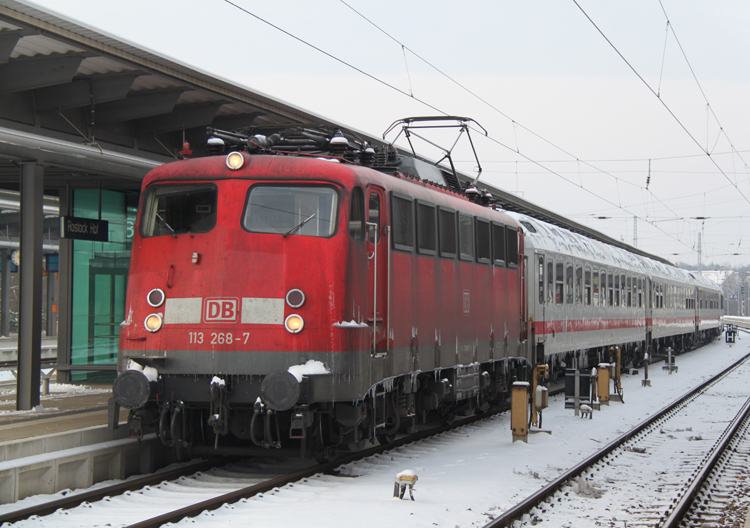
column 178, row 209
column 291, row 210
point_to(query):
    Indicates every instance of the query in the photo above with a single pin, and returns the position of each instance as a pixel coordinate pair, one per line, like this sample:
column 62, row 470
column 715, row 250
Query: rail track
column 190, row 485
column 660, row 465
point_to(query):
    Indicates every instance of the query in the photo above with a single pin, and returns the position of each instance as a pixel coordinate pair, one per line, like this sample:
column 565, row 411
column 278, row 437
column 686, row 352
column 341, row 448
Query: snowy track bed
column 653, row 472
column 724, row 497
column 142, row 504
column 467, row 476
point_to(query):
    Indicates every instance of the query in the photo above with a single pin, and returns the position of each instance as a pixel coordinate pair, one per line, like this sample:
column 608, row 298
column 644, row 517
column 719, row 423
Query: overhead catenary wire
column 436, row 109
column 661, row 100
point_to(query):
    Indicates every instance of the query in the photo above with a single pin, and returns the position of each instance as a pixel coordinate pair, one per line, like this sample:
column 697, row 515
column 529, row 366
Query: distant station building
column 83, row 118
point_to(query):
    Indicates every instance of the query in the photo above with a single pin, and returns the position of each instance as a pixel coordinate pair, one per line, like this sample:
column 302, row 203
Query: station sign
column 75, row 228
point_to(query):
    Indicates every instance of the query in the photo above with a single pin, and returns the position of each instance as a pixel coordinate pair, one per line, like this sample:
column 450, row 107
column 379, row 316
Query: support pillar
column 64, row 301
column 30, row 308
column 5, row 293
column 51, row 325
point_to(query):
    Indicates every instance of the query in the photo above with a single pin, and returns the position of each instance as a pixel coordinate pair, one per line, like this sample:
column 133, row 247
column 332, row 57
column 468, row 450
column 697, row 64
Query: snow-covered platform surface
column 468, row 476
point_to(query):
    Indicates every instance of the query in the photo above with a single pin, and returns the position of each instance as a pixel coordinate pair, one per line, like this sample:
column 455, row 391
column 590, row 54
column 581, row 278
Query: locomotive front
column 238, row 280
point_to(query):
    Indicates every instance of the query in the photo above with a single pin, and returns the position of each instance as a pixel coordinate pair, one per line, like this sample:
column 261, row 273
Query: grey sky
column 542, row 63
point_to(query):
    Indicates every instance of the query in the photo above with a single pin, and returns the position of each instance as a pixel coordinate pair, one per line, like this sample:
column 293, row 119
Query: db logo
column 220, row 310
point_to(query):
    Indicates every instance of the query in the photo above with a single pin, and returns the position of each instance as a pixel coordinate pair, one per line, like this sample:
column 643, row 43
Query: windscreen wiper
column 166, row 224
column 298, row 226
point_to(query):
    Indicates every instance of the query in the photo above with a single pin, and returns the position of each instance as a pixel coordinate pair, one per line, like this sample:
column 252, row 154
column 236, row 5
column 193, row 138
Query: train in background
column 307, row 290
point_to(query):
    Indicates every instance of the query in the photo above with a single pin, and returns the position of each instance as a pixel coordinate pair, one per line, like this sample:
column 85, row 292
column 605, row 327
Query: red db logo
column 220, row 310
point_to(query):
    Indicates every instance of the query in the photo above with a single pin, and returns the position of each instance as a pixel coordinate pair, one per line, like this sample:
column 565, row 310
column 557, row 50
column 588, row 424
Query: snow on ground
column 57, row 391
column 469, row 475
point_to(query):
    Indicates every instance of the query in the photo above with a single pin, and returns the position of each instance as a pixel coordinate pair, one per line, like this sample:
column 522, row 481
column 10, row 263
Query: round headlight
column 153, row 322
column 155, row 297
column 294, row 323
column 295, row 298
column 235, row 160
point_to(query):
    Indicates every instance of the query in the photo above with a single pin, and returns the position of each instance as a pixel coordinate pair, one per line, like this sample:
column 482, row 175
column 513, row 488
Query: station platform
column 68, row 407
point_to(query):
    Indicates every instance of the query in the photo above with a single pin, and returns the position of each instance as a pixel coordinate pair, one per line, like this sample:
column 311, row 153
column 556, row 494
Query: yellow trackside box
column 603, row 384
column 519, row 410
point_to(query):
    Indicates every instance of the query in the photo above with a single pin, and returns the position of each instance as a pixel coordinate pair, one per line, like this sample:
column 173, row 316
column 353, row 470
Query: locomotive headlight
column 155, row 297
column 235, row 160
column 294, row 323
column 153, row 322
column 295, row 298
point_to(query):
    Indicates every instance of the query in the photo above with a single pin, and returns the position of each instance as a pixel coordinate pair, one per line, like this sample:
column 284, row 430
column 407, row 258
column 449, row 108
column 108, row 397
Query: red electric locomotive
column 314, row 301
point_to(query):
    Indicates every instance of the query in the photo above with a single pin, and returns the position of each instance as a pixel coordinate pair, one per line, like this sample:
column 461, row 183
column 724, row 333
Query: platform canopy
column 87, row 105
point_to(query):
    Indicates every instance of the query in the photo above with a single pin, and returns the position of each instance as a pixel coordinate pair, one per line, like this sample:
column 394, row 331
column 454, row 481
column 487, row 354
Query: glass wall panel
column 100, row 280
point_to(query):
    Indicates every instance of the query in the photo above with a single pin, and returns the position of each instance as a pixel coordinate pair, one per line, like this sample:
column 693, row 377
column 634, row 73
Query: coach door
column 377, row 269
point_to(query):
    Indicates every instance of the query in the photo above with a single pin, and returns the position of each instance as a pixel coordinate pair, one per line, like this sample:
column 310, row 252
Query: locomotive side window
column 550, row 282
column 511, row 254
column 291, row 210
column 178, row 209
column 483, row 241
column 403, row 223
column 426, row 229
column 373, row 215
column 357, row 215
column 498, row 244
column 447, row 230
column 465, row 237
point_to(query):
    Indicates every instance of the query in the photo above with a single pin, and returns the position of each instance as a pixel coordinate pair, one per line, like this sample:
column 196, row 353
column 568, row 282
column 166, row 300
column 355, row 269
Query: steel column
column 30, row 308
column 51, row 280
column 5, row 293
column 65, row 294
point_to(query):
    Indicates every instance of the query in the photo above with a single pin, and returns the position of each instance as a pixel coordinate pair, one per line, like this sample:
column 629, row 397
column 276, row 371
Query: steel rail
column 327, row 467
column 507, row 518
column 74, row 500
column 680, row 508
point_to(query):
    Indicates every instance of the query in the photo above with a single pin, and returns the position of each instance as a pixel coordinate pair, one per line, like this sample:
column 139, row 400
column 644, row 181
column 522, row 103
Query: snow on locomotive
column 321, row 302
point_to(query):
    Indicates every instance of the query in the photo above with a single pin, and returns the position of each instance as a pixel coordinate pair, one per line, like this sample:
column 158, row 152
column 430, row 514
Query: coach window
column 610, row 283
column 541, row 280
column 402, row 214
column 629, row 295
column 579, row 285
column 511, row 253
column 498, row 244
column 357, row 215
column 483, row 241
column 640, row 293
column 447, row 233
column 603, row 288
column 559, row 283
column 299, row 210
column 465, row 237
column 617, row 290
column 178, row 209
column 595, row 292
column 569, row 284
column 587, row 287
column 550, row 282
column 426, row 229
